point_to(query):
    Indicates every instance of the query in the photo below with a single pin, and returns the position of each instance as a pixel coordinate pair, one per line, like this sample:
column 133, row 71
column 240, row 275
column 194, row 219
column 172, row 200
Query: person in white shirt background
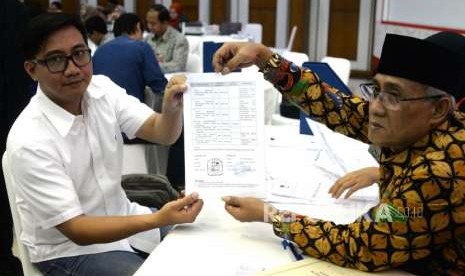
column 96, row 28
column 65, row 153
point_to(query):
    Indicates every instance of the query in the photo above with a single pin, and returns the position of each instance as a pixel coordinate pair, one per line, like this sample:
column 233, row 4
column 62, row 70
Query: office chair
column 341, row 66
column 28, row 268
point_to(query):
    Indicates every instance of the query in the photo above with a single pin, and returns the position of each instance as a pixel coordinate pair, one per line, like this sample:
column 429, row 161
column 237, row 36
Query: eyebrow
column 54, row 52
column 389, row 85
column 393, row 86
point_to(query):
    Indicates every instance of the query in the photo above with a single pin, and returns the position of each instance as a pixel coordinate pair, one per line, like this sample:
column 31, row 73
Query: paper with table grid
column 224, row 134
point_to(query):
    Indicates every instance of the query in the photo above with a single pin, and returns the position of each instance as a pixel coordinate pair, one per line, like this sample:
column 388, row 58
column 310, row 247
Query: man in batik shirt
column 419, row 223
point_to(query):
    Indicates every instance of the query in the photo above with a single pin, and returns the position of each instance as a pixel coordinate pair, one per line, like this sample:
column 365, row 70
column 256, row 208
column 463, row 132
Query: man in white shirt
column 96, row 28
column 65, row 153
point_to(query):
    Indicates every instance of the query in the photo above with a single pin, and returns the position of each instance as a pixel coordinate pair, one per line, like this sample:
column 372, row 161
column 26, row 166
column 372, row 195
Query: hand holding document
column 224, row 135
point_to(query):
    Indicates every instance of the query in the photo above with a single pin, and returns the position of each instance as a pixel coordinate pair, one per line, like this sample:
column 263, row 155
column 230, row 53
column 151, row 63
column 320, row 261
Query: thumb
column 185, row 201
column 232, row 200
column 235, row 62
column 178, row 88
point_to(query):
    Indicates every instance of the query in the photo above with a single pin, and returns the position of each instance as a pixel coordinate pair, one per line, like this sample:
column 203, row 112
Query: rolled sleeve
column 130, row 112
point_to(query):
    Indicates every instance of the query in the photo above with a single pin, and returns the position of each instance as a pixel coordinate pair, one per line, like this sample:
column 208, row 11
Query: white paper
column 224, row 135
column 302, row 168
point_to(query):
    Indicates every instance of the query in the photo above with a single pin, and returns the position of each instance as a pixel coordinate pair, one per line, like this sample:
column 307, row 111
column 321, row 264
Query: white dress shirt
column 92, row 46
column 66, row 165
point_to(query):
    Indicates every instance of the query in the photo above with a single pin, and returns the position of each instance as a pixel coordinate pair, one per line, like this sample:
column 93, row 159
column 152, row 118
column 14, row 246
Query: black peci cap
column 435, row 61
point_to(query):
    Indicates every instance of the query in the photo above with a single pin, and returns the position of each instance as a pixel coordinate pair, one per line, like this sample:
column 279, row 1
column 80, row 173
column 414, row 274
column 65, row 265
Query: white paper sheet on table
column 224, row 135
column 302, row 168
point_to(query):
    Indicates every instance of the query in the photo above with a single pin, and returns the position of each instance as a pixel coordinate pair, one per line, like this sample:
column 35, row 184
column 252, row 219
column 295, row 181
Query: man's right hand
column 183, row 210
column 235, row 55
column 354, row 181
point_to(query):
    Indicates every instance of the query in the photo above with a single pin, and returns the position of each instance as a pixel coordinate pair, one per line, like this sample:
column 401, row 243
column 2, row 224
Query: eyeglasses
column 389, row 99
column 59, row 62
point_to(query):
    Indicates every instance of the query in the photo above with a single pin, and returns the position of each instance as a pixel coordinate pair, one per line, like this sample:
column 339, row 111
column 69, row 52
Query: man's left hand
column 172, row 100
column 245, row 208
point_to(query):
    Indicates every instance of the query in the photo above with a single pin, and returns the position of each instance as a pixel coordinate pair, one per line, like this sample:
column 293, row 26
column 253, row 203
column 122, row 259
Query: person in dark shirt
column 129, row 61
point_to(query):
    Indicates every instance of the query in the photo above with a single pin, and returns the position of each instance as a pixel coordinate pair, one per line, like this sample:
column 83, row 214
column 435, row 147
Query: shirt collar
column 61, row 119
column 164, row 36
column 418, row 148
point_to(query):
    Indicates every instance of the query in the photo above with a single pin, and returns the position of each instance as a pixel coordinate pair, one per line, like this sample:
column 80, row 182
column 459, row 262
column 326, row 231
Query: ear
column 441, row 110
column 30, row 68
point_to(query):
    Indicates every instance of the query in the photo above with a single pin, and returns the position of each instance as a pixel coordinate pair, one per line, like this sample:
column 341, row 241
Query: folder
column 314, row 267
column 209, row 49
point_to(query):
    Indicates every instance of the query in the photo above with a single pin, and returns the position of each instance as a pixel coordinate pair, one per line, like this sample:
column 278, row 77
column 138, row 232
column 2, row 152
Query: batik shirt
column 419, row 223
column 171, row 50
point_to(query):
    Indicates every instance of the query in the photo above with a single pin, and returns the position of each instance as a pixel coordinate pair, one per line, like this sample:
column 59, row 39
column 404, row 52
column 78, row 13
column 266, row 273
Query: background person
column 177, row 17
column 169, row 45
column 129, row 61
column 96, row 28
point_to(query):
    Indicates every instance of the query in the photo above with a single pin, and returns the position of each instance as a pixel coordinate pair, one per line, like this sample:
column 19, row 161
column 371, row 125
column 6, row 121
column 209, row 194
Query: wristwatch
column 273, row 63
column 281, row 221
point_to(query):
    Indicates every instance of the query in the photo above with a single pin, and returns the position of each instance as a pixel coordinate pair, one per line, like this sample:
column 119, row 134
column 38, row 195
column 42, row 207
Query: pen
column 293, row 249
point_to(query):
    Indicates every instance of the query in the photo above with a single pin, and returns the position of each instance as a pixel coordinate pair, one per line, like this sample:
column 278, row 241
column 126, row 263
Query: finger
column 221, row 56
column 185, row 201
column 178, row 87
column 233, row 211
column 234, row 63
column 232, row 200
column 176, row 90
column 178, row 79
column 217, row 62
column 337, row 186
column 351, row 191
column 341, row 190
column 196, row 207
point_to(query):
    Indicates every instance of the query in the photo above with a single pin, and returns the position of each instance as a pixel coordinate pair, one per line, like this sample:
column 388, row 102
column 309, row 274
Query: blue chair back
column 328, row 75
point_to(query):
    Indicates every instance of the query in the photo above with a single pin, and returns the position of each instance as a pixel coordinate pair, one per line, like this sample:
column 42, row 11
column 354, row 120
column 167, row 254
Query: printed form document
column 224, row 135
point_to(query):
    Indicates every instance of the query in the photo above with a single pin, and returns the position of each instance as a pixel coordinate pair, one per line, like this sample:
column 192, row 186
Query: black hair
column 126, row 24
column 41, row 27
column 163, row 13
column 57, row 4
column 95, row 24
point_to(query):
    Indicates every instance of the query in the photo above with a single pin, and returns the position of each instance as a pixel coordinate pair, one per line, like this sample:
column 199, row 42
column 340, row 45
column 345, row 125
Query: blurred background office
column 350, row 29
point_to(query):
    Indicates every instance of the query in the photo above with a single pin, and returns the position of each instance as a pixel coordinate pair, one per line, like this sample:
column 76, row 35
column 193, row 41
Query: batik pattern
column 419, row 223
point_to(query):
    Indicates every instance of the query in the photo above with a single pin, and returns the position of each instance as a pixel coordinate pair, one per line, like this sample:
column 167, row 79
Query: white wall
column 420, row 20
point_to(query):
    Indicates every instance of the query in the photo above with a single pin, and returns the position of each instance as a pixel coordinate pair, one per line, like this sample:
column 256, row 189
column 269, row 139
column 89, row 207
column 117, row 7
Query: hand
column 354, row 181
column 172, row 100
column 232, row 56
column 183, row 210
column 160, row 58
column 245, row 208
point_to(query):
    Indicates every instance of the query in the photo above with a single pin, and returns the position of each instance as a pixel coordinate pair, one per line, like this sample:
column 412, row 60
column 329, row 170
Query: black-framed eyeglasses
column 58, row 63
column 389, row 99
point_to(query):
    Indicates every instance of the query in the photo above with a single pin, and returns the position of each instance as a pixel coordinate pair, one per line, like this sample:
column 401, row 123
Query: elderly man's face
column 64, row 88
column 397, row 129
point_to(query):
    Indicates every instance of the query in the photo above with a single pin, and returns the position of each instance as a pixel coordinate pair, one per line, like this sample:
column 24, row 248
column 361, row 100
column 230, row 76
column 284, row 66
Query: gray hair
column 432, row 91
